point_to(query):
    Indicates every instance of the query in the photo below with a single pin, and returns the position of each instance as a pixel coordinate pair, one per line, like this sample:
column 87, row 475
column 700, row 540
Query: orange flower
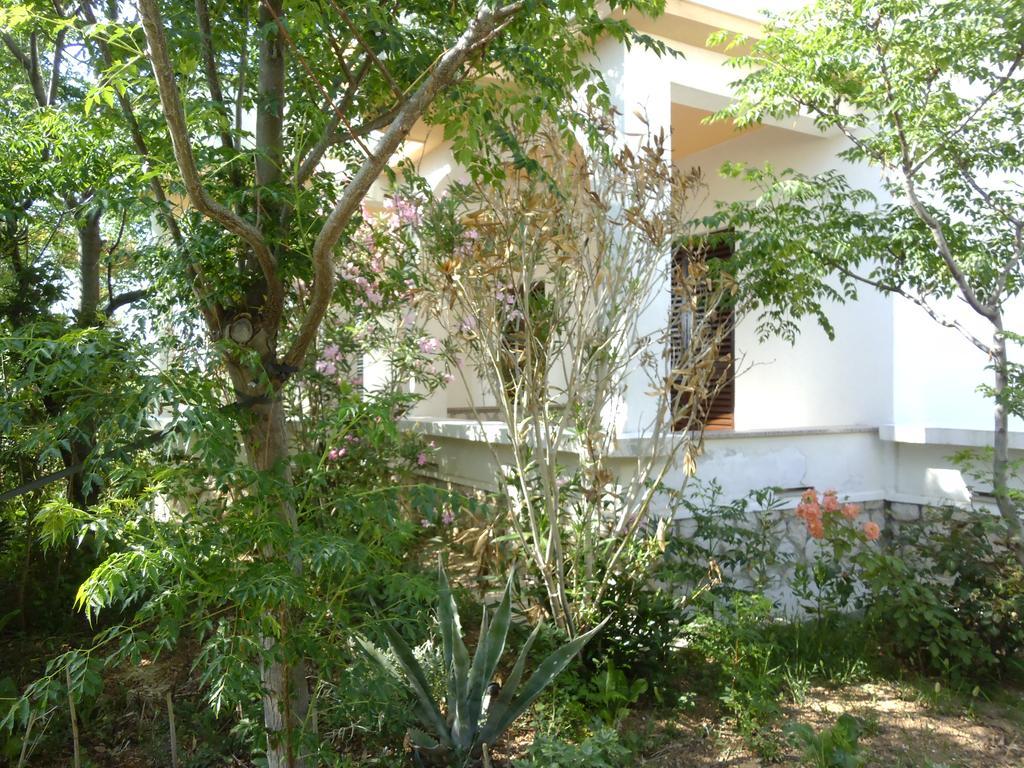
column 850, row 511
column 872, row 531
column 831, row 501
column 810, row 496
column 815, row 528
column 808, row 511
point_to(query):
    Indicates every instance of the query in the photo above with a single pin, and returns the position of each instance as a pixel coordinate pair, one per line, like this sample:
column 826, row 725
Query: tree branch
column 923, row 304
column 210, row 70
column 58, row 55
column 942, row 246
column 243, row 68
column 29, row 63
column 174, row 115
column 211, row 312
column 385, row 72
column 330, row 134
column 114, row 303
column 443, row 73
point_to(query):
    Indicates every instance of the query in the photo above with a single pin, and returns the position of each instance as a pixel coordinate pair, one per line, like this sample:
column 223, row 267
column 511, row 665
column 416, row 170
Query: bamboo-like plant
column 560, row 290
column 473, row 719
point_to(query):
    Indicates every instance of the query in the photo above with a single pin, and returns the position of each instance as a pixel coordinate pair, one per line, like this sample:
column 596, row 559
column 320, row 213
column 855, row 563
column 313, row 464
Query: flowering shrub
column 826, row 581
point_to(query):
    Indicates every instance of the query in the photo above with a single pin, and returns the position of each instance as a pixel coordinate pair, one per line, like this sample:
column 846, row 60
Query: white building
column 875, row 414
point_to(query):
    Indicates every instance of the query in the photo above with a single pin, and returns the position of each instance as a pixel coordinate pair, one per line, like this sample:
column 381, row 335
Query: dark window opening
column 716, row 412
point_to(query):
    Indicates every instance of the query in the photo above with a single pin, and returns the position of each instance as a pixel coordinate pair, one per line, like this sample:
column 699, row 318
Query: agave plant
column 473, row 718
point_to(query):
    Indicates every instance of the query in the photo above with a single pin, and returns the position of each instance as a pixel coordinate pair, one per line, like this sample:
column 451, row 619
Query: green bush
column 947, row 597
column 736, row 638
column 835, row 747
column 600, row 750
column 644, row 621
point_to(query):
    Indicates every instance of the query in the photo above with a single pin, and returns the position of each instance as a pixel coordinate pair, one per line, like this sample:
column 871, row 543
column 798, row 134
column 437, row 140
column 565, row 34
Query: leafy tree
column 72, row 227
column 931, row 95
column 255, row 98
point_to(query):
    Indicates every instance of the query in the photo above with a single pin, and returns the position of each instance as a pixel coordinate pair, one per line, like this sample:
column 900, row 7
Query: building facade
column 875, row 413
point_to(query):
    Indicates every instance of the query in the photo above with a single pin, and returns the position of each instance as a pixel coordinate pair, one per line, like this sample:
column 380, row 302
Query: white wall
column 814, row 382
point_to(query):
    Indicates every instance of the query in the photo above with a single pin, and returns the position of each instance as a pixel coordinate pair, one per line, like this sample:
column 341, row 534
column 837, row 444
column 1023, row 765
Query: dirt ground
column 904, row 728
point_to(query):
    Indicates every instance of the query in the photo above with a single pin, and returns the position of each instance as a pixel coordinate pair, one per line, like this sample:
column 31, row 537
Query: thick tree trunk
column 1001, row 446
column 285, row 688
column 90, row 249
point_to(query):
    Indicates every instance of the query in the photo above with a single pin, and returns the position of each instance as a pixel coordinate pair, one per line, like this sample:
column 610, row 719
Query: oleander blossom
column 851, row 511
column 872, row 531
column 448, row 517
column 400, row 211
column 430, row 346
column 326, row 367
column 421, row 459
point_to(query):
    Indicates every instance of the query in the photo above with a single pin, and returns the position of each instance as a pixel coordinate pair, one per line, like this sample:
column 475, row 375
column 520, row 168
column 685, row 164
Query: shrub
column 834, row 747
column 645, row 614
column 742, row 537
column 600, row 750
column 947, row 597
column 736, row 638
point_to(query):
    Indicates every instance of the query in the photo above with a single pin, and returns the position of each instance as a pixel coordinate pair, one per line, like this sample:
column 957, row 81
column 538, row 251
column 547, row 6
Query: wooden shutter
column 719, row 413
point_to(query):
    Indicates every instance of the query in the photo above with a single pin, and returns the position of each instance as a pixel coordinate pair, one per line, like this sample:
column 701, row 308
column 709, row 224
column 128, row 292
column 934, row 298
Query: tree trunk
column 1001, row 446
column 90, row 248
column 285, row 689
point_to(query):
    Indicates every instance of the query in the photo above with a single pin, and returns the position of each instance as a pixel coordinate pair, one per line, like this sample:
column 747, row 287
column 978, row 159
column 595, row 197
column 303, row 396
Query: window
column 716, row 409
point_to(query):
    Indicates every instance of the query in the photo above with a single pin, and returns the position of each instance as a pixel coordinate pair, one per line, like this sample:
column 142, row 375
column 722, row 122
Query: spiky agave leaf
column 493, row 636
column 414, row 675
column 506, row 711
column 456, row 657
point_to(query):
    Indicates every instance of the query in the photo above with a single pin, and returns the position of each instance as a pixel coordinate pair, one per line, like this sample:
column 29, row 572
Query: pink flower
column 336, row 453
column 326, row 367
column 430, row 346
column 850, row 511
column 448, row 517
column 810, row 496
column 816, row 528
column 872, row 531
column 403, row 210
column 421, row 459
column 409, row 319
column 425, row 523
column 468, row 324
column 331, row 352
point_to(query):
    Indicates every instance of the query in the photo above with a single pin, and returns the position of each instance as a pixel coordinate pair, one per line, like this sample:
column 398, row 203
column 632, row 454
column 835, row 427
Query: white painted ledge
column 967, row 438
column 630, row 445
